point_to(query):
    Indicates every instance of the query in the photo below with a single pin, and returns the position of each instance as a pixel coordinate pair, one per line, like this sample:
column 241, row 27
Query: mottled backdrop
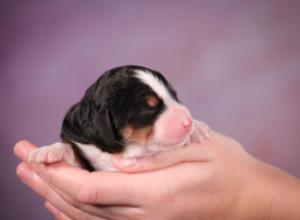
column 235, row 65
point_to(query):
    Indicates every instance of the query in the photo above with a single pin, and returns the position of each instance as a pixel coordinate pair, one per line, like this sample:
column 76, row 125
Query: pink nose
column 174, row 125
column 187, row 122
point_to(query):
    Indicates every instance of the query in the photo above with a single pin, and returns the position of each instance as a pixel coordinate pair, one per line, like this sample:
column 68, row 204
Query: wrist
column 258, row 194
column 269, row 193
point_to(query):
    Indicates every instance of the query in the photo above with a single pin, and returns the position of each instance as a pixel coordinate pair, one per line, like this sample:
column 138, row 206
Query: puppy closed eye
column 152, row 101
column 150, row 108
column 146, row 111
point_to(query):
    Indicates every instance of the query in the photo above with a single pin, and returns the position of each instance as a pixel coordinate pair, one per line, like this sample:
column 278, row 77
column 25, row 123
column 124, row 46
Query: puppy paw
column 50, row 153
column 201, row 132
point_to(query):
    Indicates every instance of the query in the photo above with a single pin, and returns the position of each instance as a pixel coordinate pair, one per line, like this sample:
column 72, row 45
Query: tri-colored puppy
column 130, row 111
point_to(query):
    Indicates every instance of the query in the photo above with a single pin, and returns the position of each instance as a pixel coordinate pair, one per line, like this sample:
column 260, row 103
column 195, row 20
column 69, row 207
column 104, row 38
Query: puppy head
column 131, row 105
column 174, row 123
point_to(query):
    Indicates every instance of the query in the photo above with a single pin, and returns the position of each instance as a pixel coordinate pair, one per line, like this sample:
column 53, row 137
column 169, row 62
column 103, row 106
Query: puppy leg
column 53, row 153
column 201, row 131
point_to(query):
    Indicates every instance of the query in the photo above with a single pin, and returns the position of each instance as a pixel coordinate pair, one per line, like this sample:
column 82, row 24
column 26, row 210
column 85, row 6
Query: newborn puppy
column 129, row 112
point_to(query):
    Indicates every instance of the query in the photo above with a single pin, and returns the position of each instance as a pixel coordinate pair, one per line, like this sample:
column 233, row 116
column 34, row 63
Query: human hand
column 218, row 180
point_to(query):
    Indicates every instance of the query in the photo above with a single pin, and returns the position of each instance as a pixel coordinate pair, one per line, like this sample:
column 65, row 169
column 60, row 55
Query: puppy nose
column 187, row 122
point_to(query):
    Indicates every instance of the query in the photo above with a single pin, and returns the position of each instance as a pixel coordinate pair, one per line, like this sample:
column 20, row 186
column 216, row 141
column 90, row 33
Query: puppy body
column 130, row 111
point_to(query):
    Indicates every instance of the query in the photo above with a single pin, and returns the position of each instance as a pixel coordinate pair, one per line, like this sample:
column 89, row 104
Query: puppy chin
column 175, row 142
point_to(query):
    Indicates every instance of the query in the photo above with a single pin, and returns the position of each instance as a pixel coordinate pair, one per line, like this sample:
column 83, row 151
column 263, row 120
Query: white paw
column 50, row 153
column 201, row 132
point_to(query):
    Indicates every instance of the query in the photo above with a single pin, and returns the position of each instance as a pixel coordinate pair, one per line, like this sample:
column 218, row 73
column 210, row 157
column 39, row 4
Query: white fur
column 99, row 159
column 156, row 85
column 102, row 161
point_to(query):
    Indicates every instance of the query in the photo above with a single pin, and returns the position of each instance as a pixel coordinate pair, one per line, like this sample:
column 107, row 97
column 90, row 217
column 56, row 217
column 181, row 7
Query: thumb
column 192, row 153
column 22, row 149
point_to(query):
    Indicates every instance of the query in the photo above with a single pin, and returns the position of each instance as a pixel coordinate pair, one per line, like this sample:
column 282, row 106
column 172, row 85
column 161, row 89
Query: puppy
column 129, row 112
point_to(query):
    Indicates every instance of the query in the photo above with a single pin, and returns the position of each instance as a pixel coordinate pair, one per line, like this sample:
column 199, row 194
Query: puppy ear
column 106, row 136
column 85, row 123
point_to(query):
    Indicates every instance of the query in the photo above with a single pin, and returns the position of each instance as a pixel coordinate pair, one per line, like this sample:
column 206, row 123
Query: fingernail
column 21, row 150
column 25, row 173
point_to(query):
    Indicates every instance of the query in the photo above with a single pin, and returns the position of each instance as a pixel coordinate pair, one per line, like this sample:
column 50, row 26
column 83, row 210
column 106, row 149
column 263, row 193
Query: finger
column 191, row 153
column 57, row 214
column 62, row 202
column 110, row 191
column 104, row 188
column 22, row 149
column 115, row 212
column 31, row 179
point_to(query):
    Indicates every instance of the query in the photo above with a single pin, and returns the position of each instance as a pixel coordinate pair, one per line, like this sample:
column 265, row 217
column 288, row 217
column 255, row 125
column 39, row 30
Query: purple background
column 235, row 65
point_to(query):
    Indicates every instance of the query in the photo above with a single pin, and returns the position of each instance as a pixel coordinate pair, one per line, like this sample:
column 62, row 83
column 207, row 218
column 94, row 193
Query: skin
column 215, row 180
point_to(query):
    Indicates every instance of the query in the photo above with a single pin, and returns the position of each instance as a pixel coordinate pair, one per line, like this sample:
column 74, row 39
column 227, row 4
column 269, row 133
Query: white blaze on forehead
column 155, row 84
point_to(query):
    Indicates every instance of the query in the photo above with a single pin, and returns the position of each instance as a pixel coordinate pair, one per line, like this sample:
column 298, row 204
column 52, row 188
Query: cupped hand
column 195, row 182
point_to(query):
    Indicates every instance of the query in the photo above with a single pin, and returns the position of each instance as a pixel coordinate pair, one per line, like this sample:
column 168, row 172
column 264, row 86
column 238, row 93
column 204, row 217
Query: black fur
column 116, row 100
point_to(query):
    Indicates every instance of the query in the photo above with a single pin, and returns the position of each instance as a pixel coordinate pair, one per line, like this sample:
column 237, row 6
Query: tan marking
column 137, row 136
column 152, row 101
